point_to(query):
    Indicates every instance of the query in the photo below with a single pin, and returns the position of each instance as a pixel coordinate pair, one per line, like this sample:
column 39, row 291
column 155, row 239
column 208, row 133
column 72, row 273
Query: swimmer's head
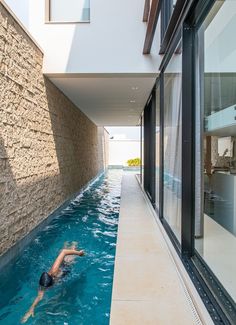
column 46, row 280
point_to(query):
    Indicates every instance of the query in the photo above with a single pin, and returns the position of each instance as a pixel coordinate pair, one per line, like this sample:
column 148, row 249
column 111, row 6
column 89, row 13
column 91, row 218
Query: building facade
column 188, row 145
column 49, row 149
column 172, row 69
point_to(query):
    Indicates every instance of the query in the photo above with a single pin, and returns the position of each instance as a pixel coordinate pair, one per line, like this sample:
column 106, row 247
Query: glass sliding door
column 149, row 148
column 172, row 143
column 157, row 131
column 215, row 215
column 167, row 8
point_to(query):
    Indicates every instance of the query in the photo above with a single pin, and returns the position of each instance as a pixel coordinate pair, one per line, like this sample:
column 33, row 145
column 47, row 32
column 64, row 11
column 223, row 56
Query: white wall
column 111, row 43
column 220, row 48
column 122, row 150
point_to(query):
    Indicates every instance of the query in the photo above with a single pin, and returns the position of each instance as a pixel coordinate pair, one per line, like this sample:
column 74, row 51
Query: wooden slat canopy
column 151, row 26
column 146, row 10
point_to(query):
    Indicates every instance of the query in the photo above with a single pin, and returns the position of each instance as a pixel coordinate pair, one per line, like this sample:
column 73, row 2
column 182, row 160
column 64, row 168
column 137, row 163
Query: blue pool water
column 84, row 295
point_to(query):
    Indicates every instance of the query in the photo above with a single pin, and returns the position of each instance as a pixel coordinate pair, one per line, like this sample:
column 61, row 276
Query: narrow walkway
column 147, row 288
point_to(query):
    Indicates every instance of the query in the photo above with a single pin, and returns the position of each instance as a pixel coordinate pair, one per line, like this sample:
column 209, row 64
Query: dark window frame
column 161, row 176
column 158, row 204
column 191, row 23
column 175, row 21
column 188, row 140
column 149, row 147
column 216, row 299
column 141, row 149
column 165, row 16
column 210, row 289
column 224, row 308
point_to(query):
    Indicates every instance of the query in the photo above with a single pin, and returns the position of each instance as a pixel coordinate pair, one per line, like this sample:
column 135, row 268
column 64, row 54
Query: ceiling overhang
column 107, row 99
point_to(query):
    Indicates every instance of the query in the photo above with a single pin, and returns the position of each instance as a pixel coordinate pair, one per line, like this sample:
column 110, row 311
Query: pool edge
column 17, row 248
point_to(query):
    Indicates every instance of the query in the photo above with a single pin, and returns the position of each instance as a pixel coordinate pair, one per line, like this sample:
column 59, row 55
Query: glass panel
column 157, row 144
column 173, row 5
column 167, row 8
column 215, row 228
column 172, row 143
column 69, row 10
column 149, row 149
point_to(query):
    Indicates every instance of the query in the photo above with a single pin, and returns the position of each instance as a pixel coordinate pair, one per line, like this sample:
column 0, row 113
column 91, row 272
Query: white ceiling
column 108, row 100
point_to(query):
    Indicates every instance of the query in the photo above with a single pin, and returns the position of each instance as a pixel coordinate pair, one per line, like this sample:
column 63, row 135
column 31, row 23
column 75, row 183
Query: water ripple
column 84, row 295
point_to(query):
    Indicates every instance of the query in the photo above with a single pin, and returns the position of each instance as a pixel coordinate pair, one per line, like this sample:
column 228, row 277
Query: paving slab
column 147, row 288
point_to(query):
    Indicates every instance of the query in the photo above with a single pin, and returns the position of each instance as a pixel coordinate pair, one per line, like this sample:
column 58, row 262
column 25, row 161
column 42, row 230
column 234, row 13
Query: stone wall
column 48, row 148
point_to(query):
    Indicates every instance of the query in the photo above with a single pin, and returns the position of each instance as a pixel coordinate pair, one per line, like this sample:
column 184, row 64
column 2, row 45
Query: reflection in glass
column 216, row 158
column 69, row 10
column 172, row 143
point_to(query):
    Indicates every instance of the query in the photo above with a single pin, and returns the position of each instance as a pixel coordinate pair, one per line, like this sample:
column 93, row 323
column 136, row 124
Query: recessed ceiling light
column 134, row 88
column 132, row 101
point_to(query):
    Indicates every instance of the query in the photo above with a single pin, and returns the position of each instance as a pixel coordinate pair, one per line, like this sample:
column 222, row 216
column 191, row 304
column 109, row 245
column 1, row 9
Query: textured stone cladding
column 48, row 148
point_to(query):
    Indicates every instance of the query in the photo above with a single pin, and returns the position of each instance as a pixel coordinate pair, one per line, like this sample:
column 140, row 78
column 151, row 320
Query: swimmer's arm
column 34, row 304
column 55, row 268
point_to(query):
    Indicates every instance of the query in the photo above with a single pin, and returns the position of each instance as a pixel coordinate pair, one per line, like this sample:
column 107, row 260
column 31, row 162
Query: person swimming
column 59, row 269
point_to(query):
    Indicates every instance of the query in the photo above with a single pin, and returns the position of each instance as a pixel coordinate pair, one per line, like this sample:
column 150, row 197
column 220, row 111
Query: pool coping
column 183, row 274
column 17, row 248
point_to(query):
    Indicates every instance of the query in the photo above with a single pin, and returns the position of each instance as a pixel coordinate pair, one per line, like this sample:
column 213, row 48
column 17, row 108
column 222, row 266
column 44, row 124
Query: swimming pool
column 84, row 295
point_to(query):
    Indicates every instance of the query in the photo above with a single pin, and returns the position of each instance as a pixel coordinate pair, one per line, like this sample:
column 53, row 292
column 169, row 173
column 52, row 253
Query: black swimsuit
column 65, row 268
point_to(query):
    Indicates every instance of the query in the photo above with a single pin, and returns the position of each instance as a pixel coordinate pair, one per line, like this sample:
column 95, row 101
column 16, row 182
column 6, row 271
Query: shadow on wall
column 44, row 162
column 23, row 200
column 6, row 196
column 48, row 148
column 76, row 141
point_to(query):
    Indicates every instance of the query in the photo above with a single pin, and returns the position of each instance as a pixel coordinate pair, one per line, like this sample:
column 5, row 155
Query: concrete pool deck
column 148, row 288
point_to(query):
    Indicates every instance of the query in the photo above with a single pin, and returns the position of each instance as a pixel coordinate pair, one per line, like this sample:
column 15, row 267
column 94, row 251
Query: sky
column 132, row 132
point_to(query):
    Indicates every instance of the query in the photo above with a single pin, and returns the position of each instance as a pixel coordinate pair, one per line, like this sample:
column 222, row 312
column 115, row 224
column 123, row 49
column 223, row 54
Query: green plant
column 134, row 162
